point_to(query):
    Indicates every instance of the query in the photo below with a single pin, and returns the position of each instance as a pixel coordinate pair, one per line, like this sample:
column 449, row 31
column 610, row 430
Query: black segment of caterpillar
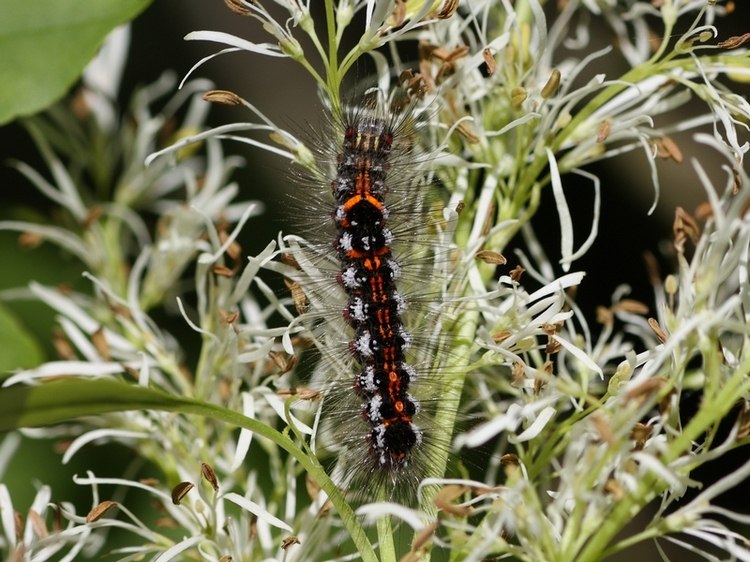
column 368, row 275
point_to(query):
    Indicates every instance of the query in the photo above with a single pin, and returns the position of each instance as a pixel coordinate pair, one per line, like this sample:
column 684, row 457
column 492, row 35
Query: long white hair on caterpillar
column 373, row 268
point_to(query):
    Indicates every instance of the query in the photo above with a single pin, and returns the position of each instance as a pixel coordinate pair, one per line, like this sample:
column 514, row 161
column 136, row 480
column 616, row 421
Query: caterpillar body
column 376, row 357
column 368, row 275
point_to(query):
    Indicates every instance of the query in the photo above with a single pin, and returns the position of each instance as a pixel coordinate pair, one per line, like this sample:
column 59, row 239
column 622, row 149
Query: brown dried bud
column 283, row 362
column 604, row 315
column 658, row 330
column 735, row 41
column 510, row 459
column 224, row 97
column 289, row 541
column 445, row 498
column 100, row 343
column 234, row 251
column 641, row 432
column 667, row 148
column 208, row 473
column 538, row 386
column 19, row 526
column 602, row 132
column 98, row 511
column 553, row 346
column 238, row 6
column 30, row 240
column 516, row 273
column 222, row 271
column 421, row 538
column 448, row 8
column 467, row 132
column 398, row 16
column 646, row 388
column 603, row 428
column 489, row 60
column 298, row 296
column 308, row 394
column 501, row 336
column 491, row 257
column 518, row 95
column 614, row 489
column 92, row 216
column 552, row 84
column 632, row 306
column 38, row 524
column 684, row 227
column 62, row 346
column 57, row 519
column 704, row 211
column 180, row 491
column 231, row 317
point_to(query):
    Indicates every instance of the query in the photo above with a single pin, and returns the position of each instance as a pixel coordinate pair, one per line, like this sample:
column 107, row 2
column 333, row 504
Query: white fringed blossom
column 583, row 425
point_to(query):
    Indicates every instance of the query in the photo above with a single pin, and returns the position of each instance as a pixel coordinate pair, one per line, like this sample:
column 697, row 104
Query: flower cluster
column 583, row 424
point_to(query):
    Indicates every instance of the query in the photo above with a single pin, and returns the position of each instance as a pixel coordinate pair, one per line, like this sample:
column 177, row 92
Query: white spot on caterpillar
column 373, row 407
column 345, row 242
column 362, row 344
column 357, row 309
column 349, row 278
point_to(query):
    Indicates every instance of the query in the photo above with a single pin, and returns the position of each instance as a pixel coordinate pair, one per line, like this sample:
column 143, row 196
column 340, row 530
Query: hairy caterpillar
column 366, row 281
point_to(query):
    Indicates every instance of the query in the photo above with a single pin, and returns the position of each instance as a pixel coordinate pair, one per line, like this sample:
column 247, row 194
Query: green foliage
column 45, row 44
column 20, row 348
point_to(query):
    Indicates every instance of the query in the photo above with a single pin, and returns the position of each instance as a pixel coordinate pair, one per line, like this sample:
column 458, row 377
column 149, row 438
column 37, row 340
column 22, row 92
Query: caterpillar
column 379, row 239
column 375, row 308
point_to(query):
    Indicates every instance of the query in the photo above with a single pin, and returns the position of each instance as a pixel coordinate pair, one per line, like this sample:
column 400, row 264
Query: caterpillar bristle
column 371, row 271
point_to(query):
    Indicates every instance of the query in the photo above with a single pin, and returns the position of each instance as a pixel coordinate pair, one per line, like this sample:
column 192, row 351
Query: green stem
column 333, row 78
column 445, row 417
column 385, row 540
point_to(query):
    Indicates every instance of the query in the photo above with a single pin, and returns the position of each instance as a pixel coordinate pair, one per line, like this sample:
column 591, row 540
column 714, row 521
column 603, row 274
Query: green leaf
column 59, row 401
column 20, row 349
column 45, row 44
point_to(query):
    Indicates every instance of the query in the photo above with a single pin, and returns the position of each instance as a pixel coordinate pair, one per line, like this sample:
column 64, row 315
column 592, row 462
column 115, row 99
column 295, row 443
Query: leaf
column 63, row 400
column 45, row 44
column 20, row 349
column 55, row 402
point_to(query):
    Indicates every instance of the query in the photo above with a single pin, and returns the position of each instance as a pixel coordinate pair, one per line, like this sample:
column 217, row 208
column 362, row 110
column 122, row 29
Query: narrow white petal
column 595, row 220
column 579, row 354
column 278, row 405
column 90, row 436
column 7, row 448
column 61, row 368
column 7, row 517
column 560, row 284
column 536, row 427
column 563, row 212
column 267, row 49
column 255, row 509
column 172, row 552
column 246, row 436
column 650, row 463
column 374, row 511
column 487, row 430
